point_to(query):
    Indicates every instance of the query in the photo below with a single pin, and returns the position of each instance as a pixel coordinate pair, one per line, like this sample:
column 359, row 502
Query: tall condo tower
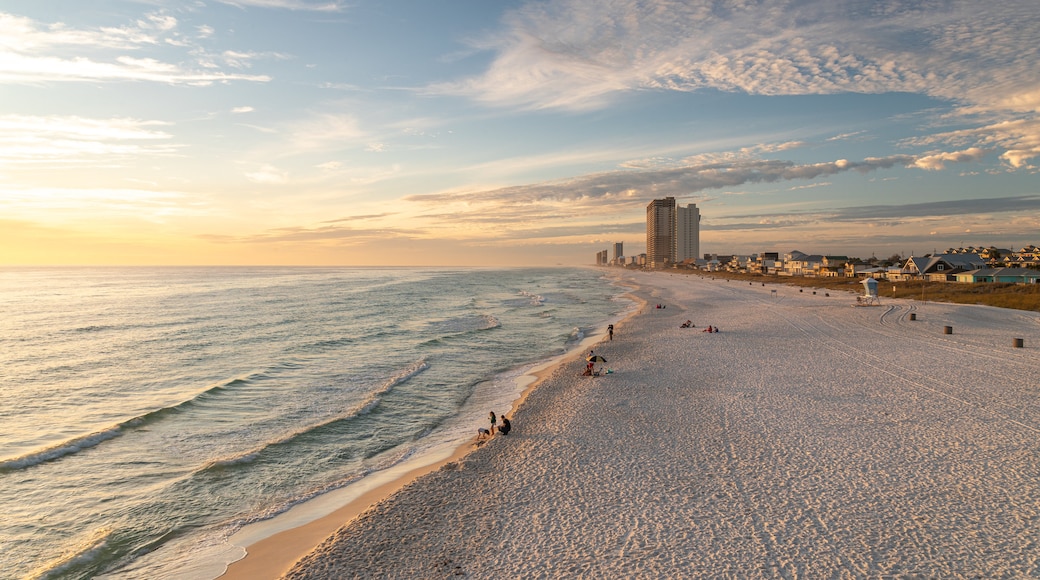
column 687, row 232
column 618, row 251
column 660, row 232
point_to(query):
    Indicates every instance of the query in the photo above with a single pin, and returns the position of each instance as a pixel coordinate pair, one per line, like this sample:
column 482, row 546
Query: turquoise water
column 149, row 413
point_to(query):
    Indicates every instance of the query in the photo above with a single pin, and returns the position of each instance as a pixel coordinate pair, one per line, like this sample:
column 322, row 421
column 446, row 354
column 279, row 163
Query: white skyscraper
column 687, row 232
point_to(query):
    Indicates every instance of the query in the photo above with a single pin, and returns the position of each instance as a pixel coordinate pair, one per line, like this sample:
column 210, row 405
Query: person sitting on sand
column 506, row 426
column 708, row 329
column 686, row 324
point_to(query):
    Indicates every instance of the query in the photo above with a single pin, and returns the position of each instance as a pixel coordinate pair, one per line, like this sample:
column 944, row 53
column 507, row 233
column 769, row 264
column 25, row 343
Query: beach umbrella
column 596, row 359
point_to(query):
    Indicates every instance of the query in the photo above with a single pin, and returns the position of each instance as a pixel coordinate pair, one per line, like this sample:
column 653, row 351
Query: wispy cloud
column 321, row 6
column 681, row 181
column 325, row 132
column 268, row 175
column 909, row 211
column 44, row 140
column 32, row 52
column 582, row 55
column 553, row 55
column 91, row 205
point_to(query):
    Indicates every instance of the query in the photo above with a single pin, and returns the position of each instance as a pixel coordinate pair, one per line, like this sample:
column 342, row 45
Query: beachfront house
column 768, row 263
column 799, row 264
column 1027, row 257
column 941, row 267
column 853, row 270
column 1003, row 275
column 796, row 264
column 832, row 266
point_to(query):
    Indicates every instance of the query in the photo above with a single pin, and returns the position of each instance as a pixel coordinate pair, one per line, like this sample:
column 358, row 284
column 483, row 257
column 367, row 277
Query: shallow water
column 149, row 413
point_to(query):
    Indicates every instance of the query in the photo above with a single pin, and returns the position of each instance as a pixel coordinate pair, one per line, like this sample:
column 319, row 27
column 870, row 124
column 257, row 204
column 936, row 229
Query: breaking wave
column 80, row 443
column 362, row 408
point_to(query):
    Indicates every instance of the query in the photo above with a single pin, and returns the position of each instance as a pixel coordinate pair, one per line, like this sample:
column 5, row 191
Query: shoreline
column 806, row 439
column 273, row 555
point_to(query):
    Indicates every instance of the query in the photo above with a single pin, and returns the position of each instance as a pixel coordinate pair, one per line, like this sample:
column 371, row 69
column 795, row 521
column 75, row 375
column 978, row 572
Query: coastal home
column 1027, row 257
column 768, row 263
column 739, row 263
column 1003, row 275
column 941, row 267
column 815, row 265
column 865, row 270
column 994, row 256
column 832, row 266
column 798, row 264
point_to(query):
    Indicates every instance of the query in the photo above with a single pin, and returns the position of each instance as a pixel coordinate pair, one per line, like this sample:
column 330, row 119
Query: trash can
column 947, row 330
column 1019, row 343
column 913, row 316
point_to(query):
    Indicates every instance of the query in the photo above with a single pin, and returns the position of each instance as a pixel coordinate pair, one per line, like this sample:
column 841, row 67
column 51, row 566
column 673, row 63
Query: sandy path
column 808, row 439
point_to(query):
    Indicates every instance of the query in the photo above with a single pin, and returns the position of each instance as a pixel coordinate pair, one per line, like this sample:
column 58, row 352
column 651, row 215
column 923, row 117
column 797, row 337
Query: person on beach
column 610, row 331
column 483, row 433
column 493, row 419
column 506, row 426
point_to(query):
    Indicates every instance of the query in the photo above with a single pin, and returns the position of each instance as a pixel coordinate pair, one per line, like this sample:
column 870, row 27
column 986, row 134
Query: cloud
column 1018, row 139
column 71, row 139
column 321, row 6
column 31, row 52
column 326, row 132
column 323, row 233
column 882, row 228
column 241, row 110
column 681, row 181
column 939, row 160
column 598, row 202
column 582, row 55
column 556, row 54
column 958, row 207
column 96, row 205
column 268, row 175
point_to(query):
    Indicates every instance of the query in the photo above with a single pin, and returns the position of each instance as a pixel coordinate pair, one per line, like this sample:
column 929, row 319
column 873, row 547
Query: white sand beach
column 807, row 439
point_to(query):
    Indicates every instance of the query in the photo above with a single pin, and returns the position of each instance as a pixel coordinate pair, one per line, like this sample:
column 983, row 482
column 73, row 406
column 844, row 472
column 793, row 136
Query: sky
column 480, row 133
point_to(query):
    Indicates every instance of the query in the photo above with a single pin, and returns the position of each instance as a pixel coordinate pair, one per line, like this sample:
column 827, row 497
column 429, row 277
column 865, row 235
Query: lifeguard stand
column 870, row 297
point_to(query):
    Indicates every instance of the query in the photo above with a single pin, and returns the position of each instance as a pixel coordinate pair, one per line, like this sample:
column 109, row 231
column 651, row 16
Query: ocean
column 150, row 414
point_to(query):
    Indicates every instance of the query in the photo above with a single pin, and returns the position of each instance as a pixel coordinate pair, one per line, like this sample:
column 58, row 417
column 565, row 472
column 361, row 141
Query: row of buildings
column 1022, row 266
column 673, row 241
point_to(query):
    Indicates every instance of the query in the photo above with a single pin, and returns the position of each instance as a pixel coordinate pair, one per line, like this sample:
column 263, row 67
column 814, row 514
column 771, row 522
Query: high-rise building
column 687, row 232
column 619, row 252
column 660, row 232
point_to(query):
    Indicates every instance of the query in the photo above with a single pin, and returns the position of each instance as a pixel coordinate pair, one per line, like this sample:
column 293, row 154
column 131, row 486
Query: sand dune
column 807, row 439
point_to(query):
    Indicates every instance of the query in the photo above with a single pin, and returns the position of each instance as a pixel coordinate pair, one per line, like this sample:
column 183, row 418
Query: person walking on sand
column 610, row 331
column 493, row 419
